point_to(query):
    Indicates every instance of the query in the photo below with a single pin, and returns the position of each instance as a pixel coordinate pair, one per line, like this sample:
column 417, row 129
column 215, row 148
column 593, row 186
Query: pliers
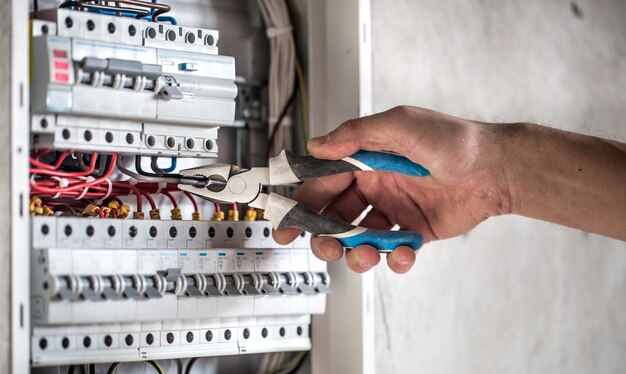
column 245, row 186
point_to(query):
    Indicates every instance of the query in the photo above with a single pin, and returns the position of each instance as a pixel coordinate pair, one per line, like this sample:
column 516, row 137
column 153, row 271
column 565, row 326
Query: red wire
column 92, row 167
column 218, row 208
column 80, row 186
column 62, row 158
column 193, row 201
column 171, row 197
column 135, row 191
column 150, row 199
column 235, row 207
column 40, row 153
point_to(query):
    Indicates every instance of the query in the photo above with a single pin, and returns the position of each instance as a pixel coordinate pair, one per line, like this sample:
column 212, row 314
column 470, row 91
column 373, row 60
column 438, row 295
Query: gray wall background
column 514, row 295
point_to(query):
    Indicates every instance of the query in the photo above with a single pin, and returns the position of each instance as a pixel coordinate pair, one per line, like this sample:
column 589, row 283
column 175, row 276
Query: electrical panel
column 110, row 283
column 129, row 86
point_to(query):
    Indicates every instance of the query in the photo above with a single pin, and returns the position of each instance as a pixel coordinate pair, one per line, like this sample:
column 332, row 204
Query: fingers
column 348, row 205
column 362, row 258
column 382, row 131
column 315, row 193
column 401, row 259
column 326, row 248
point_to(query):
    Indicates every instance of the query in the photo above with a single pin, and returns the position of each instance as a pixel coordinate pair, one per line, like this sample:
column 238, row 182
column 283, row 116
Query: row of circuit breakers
column 110, row 290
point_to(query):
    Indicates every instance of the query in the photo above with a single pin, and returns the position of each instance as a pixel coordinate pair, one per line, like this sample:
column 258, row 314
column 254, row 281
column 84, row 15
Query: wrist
column 503, row 164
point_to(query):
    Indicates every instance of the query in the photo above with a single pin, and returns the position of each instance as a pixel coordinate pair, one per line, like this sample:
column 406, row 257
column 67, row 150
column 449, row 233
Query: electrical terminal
column 176, row 213
column 196, row 216
column 155, row 214
column 91, row 210
column 233, row 215
column 47, row 211
column 260, row 216
column 36, row 206
column 137, row 215
column 251, row 215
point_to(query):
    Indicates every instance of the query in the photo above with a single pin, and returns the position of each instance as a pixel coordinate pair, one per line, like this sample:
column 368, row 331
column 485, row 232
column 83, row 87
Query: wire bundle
column 282, row 62
column 54, row 187
column 148, row 10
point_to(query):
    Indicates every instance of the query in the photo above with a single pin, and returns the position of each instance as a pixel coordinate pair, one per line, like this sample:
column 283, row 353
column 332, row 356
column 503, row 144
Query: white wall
column 514, row 295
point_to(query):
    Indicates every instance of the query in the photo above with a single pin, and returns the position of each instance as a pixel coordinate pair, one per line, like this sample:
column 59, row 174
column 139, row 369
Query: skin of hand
column 477, row 171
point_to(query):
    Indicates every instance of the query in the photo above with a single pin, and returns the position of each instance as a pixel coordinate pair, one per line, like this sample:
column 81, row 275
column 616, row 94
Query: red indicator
column 61, row 78
column 61, row 65
column 59, row 53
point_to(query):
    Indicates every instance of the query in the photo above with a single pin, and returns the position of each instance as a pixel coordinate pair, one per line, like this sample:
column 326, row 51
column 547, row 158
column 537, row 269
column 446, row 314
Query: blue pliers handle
column 290, row 168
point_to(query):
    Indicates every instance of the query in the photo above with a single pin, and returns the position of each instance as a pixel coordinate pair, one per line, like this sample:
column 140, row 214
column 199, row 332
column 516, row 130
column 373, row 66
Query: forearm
column 562, row 177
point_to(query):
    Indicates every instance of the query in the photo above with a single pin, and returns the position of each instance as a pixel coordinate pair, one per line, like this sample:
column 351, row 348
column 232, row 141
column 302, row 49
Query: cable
column 193, row 200
column 155, row 366
column 190, row 365
column 170, row 197
column 304, row 129
column 113, row 367
column 299, row 365
column 79, row 186
column 282, row 61
column 156, row 169
column 92, row 166
column 304, row 133
column 282, row 115
column 290, row 365
column 169, row 178
column 139, row 13
column 56, row 165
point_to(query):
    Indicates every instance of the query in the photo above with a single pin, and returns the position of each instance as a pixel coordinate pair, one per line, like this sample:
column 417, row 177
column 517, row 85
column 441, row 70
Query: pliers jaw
column 238, row 185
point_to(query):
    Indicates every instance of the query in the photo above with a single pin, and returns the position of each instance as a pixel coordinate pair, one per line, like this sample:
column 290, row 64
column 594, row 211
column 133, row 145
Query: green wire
column 304, row 129
column 156, row 366
column 291, row 363
column 303, row 107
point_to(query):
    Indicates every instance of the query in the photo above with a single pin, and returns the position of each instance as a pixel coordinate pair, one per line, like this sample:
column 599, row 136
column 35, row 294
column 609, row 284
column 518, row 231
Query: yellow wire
column 156, row 366
column 303, row 104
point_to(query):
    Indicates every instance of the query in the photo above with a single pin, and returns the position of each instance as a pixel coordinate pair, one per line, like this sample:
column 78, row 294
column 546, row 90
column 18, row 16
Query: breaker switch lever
column 171, row 275
column 231, row 288
column 248, row 286
column 286, row 286
column 192, row 287
column 212, row 288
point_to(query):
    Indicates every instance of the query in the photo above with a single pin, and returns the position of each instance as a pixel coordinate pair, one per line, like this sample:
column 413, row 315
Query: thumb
column 379, row 132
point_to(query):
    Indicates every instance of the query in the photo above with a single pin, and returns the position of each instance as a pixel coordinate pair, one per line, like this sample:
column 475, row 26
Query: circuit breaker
column 110, row 282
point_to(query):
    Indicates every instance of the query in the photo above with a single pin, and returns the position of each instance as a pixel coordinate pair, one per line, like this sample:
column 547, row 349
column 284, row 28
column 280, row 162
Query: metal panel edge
column 19, row 148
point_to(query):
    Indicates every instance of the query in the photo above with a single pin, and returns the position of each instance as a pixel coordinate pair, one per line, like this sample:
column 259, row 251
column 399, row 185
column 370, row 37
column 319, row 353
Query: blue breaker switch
column 189, row 66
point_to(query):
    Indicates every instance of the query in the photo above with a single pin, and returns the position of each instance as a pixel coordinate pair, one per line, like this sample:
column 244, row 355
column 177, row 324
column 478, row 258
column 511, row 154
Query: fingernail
column 403, row 261
column 320, row 140
column 328, row 252
column 365, row 264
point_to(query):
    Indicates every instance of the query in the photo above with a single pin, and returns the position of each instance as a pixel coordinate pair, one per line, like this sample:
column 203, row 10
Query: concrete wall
column 514, row 295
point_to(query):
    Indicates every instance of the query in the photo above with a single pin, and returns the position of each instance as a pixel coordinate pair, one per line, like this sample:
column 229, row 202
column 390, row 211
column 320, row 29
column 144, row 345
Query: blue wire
column 172, row 166
column 167, row 19
column 170, row 19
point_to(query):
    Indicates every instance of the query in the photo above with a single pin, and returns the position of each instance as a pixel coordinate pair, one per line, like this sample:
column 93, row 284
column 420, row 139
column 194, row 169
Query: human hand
column 466, row 186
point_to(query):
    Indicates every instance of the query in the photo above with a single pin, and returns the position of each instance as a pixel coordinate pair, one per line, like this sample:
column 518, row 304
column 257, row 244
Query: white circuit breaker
column 115, row 290
column 129, row 290
column 128, row 86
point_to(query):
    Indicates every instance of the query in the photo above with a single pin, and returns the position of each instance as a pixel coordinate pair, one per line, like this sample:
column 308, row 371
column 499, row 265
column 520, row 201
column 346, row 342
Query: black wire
column 282, row 115
column 92, row 368
column 140, row 171
column 113, row 367
column 299, row 365
column 190, row 365
column 35, row 5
